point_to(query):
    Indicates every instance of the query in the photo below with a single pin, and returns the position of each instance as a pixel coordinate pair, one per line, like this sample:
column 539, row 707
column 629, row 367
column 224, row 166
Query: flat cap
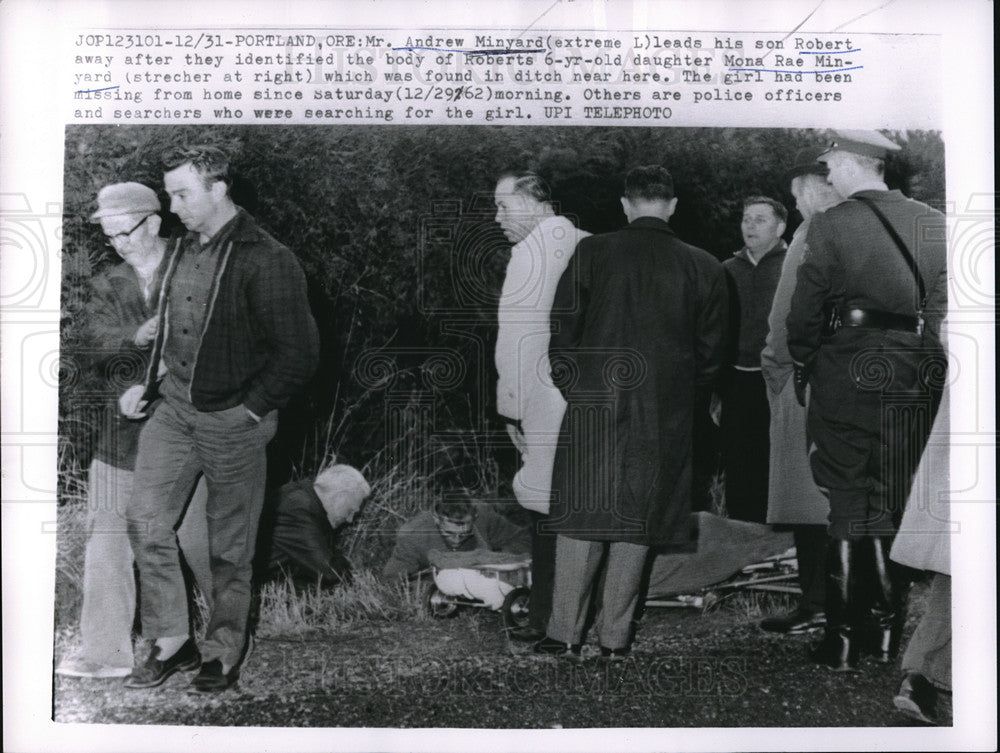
column 865, row 143
column 806, row 163
column 125, row 198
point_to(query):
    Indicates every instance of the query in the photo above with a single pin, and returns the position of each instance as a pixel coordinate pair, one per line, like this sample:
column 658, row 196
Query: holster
column 831, row 319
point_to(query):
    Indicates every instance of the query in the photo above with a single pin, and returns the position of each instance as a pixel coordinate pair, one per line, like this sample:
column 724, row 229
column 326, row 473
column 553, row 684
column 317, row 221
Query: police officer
column 863, row 332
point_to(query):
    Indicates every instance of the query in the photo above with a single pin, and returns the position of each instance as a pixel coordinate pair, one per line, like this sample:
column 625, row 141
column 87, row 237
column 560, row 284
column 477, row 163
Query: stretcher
column 776, row 574
column 503, row 588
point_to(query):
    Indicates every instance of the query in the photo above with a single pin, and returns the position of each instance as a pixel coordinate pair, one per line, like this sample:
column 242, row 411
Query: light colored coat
column 924, row 538
column 525, row 391
column 792, row 496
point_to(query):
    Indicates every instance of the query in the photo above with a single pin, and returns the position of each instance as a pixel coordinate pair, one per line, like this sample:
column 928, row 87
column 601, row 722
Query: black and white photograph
column 585, row 375
column 375, row 426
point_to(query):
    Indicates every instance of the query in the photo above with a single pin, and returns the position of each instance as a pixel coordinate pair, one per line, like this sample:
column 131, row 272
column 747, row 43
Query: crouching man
column 455, row 537
column 298, row 533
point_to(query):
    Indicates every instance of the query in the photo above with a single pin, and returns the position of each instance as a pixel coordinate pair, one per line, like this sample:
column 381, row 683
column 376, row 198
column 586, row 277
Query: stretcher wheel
column 438, row 605
column 515, row 608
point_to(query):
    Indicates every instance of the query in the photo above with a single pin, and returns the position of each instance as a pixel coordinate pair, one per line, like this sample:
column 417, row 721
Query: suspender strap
column 902, row 249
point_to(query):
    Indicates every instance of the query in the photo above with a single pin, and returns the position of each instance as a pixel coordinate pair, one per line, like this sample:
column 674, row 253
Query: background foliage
column 393, row 226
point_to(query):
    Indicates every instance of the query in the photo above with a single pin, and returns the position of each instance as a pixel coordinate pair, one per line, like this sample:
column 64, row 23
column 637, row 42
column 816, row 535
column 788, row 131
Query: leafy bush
column 394, row 228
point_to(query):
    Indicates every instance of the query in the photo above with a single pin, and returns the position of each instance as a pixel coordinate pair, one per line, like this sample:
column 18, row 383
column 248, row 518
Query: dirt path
column 687, row 670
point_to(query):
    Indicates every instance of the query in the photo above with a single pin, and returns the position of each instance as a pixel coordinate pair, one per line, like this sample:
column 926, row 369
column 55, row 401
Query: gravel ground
column 687, row 669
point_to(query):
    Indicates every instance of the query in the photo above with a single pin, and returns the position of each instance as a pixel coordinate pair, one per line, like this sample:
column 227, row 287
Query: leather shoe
column 552, row 647
column 211, row 678
column 794, row 623
column 525, row 634
column 917, row 698
column 154, row 671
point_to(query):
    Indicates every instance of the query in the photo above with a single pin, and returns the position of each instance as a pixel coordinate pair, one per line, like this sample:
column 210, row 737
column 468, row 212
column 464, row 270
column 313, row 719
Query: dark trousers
column 868, row 472
column 745, row 430
column 543, row 572
column 810, row 549
column 704, row 456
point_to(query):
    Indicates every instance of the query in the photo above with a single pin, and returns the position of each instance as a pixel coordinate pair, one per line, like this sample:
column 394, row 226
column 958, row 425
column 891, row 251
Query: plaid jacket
column 259, row 344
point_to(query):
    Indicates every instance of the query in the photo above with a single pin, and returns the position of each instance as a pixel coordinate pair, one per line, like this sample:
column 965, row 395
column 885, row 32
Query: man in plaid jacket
column 235, row 341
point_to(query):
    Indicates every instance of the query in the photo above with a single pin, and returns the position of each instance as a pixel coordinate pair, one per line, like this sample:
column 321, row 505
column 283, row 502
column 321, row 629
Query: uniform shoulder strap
column 911, row 263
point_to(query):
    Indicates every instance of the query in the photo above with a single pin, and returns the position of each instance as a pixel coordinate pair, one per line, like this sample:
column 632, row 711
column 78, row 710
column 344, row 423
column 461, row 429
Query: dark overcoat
column 639, row 324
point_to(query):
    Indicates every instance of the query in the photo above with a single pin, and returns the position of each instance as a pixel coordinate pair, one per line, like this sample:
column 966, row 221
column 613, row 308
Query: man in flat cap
column 235, row 340
column 864, row 334
column 121, row 322
column 793, row 500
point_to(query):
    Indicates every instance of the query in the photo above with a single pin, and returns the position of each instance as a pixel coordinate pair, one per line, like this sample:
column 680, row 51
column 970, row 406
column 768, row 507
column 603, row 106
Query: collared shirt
column 753, row 285
column 187, row 307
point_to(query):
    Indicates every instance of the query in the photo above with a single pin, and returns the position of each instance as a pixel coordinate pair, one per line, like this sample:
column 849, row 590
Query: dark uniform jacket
column 639, row 326
column 851, row 259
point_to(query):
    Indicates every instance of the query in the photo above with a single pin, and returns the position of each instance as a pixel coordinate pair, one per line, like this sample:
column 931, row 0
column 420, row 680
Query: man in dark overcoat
column 638, row 333
column 863, row 332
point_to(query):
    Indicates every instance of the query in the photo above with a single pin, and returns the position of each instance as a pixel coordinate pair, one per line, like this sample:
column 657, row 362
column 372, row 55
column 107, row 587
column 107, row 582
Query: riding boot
column 891, row 584
column 839, row 646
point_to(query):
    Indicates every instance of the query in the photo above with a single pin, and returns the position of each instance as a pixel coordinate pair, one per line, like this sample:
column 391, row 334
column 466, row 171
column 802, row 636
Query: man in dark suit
column 638, row 335
column 863, row 332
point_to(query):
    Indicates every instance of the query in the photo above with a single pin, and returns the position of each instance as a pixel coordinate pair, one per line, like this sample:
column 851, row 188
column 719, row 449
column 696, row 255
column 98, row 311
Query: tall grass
column 405, row 475
column 71, row 537
column 427, row 450
column 286, row 611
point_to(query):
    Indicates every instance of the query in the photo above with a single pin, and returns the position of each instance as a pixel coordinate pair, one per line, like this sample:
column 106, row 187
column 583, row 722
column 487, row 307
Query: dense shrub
column 393, row 226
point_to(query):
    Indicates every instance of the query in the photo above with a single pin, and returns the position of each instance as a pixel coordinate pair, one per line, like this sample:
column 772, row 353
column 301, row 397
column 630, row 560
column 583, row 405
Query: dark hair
column 650, row 182
column 776, row 206
column 528, row 184
column 210, row 163
column 455, row 510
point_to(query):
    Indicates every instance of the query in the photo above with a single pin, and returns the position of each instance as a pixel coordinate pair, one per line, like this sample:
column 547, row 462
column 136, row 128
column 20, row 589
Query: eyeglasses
column 114, row 240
